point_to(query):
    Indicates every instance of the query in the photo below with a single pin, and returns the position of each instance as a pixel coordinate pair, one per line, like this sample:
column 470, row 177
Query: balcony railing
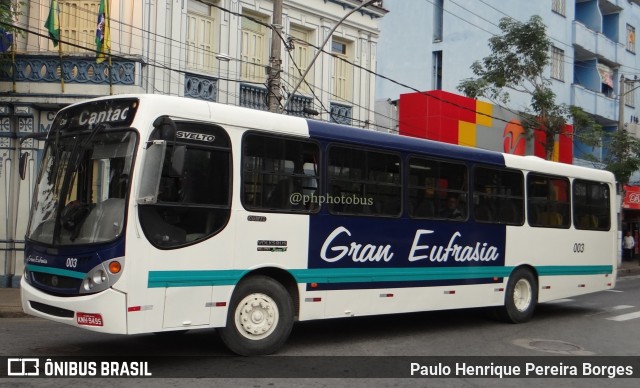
column 256, row 98
column 31, row 68
column 594, row 103
column 341, row 114
column 253, row 97
column 200, row 87
column 596, row 44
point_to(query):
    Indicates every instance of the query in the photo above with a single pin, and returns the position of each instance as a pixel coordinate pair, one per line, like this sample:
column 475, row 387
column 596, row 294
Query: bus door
column 184, row 215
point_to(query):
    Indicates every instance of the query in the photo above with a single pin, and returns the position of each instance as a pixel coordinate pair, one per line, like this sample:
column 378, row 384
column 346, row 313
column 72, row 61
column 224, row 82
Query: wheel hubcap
column 522, row 295
column 256, row 316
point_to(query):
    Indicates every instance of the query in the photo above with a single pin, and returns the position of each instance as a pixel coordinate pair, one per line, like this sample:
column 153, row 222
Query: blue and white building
column 431, row 45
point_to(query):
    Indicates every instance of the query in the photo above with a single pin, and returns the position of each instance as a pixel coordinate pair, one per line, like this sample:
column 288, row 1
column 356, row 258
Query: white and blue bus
column 156, row 213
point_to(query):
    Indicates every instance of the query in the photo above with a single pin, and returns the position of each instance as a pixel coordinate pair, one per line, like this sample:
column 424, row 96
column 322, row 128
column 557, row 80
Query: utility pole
column 621, row 94
column 274, row 95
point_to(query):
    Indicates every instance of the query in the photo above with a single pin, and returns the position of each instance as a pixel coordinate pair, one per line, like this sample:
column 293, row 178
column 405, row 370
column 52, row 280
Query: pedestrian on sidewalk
column 628, row 244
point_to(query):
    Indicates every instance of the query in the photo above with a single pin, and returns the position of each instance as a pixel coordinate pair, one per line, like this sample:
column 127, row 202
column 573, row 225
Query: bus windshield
column 81, row 191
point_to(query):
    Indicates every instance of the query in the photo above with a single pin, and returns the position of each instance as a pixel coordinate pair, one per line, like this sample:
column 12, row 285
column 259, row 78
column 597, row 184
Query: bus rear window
column 591, row 205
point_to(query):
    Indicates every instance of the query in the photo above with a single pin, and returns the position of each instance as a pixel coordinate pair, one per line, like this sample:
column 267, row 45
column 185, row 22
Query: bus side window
column 369, row 182
column 279, row 174
column 159, row 230
column 195, row 202
column 498, row 195
column 437, row 189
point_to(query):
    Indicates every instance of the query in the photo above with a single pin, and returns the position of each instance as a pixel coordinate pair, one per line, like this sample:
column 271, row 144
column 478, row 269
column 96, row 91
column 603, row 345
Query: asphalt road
column 349, row 351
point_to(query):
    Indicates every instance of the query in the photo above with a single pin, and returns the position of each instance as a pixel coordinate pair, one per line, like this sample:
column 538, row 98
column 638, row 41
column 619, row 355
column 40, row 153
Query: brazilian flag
column 53, row 22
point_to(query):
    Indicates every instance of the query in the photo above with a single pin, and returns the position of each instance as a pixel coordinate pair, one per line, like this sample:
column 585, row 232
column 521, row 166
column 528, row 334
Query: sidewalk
column 628, row 268
column 10, row 305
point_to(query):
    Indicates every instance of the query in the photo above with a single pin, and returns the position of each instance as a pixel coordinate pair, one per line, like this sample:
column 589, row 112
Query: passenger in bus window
column 484, row 209
column 426, row 207
column 452, row 210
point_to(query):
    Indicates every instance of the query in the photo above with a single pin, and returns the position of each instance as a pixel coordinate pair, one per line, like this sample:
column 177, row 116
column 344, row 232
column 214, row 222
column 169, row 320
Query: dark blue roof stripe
column 336, row 132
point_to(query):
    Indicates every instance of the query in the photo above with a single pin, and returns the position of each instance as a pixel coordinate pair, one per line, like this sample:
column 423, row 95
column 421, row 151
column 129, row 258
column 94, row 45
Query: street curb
column 14, row 313
column 628, row 272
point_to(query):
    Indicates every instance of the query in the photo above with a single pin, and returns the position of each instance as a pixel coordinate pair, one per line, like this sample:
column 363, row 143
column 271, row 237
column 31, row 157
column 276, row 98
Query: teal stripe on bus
column 362, row 275
column 195, row 278
column 557, row 270
column 56, row 271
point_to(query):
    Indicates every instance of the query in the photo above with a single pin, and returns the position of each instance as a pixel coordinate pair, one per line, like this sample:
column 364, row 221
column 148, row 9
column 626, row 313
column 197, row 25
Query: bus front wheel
column 521, row 297
column 260, row 317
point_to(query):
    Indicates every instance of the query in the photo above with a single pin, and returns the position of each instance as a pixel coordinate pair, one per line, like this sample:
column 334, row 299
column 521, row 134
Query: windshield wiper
column 94, row 132
column 78, row 150
column 74, row 161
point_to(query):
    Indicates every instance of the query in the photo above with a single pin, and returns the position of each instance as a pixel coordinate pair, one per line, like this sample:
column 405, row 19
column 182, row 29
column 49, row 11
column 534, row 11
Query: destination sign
column 114, row 113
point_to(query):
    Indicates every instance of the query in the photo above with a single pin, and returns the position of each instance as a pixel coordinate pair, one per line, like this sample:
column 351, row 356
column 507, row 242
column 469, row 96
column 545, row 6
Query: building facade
column 594, row 64
column 593, row 46
column 214, row 50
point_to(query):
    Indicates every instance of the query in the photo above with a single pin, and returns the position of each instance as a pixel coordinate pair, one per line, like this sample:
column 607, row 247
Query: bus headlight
column 99, row 277
column 26, row 275
column 87, row 285
column 102, row 276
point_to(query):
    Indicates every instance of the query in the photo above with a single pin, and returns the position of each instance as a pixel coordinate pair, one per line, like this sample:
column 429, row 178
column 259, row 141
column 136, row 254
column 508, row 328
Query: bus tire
column 521, row 297
column 260, row 317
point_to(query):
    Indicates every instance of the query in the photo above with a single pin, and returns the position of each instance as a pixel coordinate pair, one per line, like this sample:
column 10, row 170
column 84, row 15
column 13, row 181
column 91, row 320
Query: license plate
column 87, row 319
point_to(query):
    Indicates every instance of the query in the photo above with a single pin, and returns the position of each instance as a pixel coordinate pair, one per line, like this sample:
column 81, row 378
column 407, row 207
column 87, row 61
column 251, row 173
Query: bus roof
column 534, row 163
column 336, row 132
column 357, row 136
column 233, row 115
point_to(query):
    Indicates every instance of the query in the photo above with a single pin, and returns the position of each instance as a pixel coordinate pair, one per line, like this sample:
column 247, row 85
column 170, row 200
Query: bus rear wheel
column 521, row 297
column 260, row 317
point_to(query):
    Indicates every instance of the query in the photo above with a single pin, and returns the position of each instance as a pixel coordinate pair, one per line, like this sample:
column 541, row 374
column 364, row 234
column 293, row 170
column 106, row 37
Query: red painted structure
column 452, row 118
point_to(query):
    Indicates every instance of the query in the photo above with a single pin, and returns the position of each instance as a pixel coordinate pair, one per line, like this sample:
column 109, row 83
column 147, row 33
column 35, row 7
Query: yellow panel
column 556, row 151
column 466, row 134
column 484, row 112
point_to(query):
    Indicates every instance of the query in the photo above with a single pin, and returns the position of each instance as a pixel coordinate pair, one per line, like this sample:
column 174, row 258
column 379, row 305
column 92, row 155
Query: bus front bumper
column 80, row 311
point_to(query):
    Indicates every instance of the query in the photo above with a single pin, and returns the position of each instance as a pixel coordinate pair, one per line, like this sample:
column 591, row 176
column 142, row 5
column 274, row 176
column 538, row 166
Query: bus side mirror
column 22, row 166
column 152, row 172
column 165, row 129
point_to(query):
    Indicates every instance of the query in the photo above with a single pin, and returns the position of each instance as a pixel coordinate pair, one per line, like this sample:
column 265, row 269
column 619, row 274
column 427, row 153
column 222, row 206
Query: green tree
column 623, row 158
column 9, row 11
column 518, row 62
